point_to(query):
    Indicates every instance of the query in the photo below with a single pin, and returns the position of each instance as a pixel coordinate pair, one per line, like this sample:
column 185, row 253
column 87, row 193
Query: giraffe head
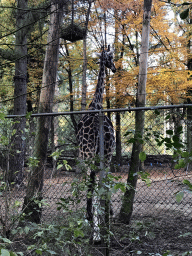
column 106, row 57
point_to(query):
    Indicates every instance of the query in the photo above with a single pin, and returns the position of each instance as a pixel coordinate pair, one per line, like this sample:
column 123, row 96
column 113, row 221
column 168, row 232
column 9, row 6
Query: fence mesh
column 163, row 203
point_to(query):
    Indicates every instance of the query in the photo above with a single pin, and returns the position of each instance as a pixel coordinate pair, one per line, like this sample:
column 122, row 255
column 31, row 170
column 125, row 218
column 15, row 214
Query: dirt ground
column 153, row 236
column 159, row 223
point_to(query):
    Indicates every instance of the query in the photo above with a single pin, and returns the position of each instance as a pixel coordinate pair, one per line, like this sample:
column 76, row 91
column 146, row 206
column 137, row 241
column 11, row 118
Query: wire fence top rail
column 129, row 109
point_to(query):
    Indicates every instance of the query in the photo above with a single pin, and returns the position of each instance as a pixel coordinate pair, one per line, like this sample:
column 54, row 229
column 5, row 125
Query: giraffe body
column 88, row 127
column 88, row 135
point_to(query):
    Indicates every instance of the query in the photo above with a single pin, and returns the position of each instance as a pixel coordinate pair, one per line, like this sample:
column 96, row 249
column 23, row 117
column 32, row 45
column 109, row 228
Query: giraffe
column 88, row 126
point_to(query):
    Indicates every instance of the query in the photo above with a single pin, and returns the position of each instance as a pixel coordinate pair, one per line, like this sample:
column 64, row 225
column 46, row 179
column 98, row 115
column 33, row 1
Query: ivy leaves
column 184, row 14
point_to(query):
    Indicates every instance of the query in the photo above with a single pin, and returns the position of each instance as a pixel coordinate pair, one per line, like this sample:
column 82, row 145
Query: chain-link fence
column 162, row 214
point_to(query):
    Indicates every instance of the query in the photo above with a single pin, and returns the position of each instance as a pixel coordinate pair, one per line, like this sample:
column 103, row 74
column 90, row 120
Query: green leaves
column 5, row 252
column 186, row 234
column 184, row 14
column 145, row 177
column 28, row 115
column 5, row 240
column 169, row 132
column 40, row 250
column 120, row 186
column 179, row 196
column 188, row 183
column 78, row 233
column 134, row 137
column 17, row 203
column 55, row 155
column 142, row 156
column 181, row 164
column 33, row 162
column 167, row 253
column 2, row 116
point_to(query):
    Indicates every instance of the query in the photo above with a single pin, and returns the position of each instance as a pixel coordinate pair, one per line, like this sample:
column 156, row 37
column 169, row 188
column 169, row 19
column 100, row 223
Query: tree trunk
column 128, row 199
column 118, row 139
column 177, row 116
column 107, row 86
column 118, row 117
column 31, row 206
column 20, row 93
column 69, row 71
column 189, row 109
column 84, row 82
column 189, row 136
column 118, row 93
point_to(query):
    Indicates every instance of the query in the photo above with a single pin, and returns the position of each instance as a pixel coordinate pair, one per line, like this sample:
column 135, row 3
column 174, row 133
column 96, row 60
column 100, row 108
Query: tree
column 127, row 204
column 69, row 72
column 118, row 105
column 56, row 31
column 7, row 51
column 84, row 82
column 20, row 93
column 170, row 81
column 35, row 184
column 189, row 109
column 25, row 21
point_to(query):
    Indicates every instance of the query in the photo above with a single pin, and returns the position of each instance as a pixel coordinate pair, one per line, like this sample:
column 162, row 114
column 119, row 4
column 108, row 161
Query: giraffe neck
column 97, row 101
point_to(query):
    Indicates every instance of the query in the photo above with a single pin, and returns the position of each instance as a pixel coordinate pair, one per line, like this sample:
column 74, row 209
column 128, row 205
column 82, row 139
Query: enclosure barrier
column 161, row 219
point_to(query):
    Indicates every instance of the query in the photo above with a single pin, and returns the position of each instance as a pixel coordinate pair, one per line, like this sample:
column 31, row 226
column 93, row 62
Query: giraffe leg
column 93, row 205
column 90, row 197
column 96, row 219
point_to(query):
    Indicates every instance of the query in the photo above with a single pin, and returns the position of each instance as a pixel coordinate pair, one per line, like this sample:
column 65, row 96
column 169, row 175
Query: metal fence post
column 102, row 175
column 101, row 148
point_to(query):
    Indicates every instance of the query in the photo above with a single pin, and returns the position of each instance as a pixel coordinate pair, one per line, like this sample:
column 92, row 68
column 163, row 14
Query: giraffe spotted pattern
column 88, row 129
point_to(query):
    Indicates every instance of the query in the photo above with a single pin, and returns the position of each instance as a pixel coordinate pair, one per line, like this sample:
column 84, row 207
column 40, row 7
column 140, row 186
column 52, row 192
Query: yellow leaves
column 7, row 2
column 168, row 80
column 168, row 85
column 120, row 5
column 122, row 90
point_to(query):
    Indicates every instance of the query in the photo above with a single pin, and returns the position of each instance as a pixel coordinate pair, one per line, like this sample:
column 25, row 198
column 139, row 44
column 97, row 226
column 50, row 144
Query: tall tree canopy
column 168, row 52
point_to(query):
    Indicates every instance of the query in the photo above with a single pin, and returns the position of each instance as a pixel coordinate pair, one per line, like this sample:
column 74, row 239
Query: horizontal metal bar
column 129, row 109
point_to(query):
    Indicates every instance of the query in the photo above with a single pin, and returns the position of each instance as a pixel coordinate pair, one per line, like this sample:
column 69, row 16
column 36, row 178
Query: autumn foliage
column 118, row 23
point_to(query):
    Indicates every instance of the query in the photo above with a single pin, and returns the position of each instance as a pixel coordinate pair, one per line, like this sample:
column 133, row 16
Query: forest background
column 111, row 22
